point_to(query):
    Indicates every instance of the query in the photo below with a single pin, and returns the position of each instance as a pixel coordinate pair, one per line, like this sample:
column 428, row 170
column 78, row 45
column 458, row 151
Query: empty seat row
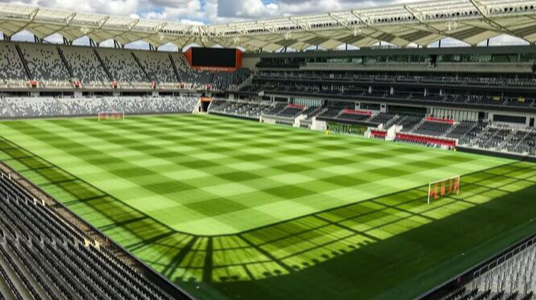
column 49, row 258
column 42, row 107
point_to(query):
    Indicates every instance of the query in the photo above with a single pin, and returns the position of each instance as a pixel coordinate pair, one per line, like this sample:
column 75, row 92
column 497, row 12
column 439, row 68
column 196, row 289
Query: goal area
column 444, row 187
column 111, row 115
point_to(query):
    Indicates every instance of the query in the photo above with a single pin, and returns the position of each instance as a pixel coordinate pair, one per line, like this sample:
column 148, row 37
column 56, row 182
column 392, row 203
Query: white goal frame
column 116, row 115
column 457, row 180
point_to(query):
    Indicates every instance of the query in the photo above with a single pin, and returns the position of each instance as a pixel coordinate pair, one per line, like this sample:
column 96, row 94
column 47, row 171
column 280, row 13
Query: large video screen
column 214, row 57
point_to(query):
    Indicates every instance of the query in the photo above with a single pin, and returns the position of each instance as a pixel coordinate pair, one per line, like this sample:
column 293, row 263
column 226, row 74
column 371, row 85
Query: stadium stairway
column 524, row 140
column 450, row 130
column 24, row 62
column 507, row 140
column 392, row 121
column 174, row 66
column 140, row 65
column 64, row 60
column 416, row 127
column 110, row 77
column 7, row 107
column 479, row 137
column 107, row 104
column 247, row 82
column 64, row 109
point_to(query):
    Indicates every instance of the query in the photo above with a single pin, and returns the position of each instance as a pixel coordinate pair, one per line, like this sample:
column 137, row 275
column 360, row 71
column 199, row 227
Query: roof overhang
column 470, row 21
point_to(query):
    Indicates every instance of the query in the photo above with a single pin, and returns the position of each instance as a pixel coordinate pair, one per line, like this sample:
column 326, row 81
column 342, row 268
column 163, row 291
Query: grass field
column 231, row 209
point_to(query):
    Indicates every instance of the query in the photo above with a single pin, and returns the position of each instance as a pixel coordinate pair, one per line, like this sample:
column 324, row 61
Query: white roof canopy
column 470, row 21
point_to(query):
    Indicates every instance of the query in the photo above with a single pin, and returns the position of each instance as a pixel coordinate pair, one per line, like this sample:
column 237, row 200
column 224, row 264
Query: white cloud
column 247, row 9
column 185, row 9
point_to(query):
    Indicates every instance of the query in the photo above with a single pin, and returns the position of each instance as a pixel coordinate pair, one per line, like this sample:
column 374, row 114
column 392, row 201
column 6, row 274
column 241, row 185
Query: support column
column 117, row 45
column 93, row 44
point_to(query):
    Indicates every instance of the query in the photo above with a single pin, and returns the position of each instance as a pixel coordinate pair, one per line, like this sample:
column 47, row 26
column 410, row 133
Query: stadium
column 383, row 152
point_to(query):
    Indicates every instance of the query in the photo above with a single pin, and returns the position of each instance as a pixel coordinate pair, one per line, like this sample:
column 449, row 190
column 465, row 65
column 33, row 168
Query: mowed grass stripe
column 405, row 249
column 144, row 197
column 166, row 168
column 290, row 196
column 385, row 156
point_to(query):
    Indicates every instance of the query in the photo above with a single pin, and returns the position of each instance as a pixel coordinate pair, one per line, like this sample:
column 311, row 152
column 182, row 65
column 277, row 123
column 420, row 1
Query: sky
column 201, row 11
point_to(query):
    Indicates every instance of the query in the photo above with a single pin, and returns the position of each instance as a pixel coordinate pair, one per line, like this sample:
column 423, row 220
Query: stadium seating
column 44, row 256
column 63, row 107
column 276, row 109
column 290, row 111
column 86, row 66
column 131, row 105
column 384, row 118
column 492, row 138
column 461, row 130
column 124, row 68
column 85, row 106
column 521, row 142
column 433, row 128
column 311, row 111
column 188, row 75
column 139, row 105
column 511, row 276
column 58, row 66
column 330, row 113
column 45, row 64
column 497, row 80
column 157, row 65
column 11, row 67
column 252, row 110
column 34, row 107
column 131, row 69
column 343, row 85
column 230, row 80
column 471, row 134
column 179, row 104
column 409, row 122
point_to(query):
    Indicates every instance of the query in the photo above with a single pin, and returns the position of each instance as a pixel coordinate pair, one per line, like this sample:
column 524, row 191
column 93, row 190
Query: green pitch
column 207, row 176
column 233, row 209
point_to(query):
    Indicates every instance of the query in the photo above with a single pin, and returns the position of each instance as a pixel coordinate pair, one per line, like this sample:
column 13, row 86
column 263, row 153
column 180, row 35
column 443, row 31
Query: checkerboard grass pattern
column 389, row 247
column 209, row 176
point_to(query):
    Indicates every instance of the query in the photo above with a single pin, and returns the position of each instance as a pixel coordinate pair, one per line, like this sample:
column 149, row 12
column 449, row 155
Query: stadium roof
column 470, row 21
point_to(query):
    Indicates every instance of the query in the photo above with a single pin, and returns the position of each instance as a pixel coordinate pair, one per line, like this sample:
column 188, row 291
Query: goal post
column 111, row 115
column 444, row 187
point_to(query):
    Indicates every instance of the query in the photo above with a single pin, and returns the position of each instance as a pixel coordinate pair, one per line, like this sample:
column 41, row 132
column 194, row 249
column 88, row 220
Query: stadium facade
column 138, row 206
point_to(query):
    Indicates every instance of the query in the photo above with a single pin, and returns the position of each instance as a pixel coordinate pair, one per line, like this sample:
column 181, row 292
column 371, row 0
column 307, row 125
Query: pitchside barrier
column 445, row 187
column 111, row 116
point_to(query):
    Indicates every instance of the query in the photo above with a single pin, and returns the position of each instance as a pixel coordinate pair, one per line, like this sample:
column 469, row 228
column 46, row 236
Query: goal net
column 111, row 116
column 442, row 188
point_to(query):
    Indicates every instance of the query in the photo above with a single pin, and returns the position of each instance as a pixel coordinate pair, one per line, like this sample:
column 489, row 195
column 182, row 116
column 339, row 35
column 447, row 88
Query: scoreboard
column 214, row 58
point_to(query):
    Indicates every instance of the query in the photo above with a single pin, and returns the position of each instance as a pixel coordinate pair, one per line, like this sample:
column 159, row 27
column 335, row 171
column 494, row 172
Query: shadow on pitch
column 360, row 249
